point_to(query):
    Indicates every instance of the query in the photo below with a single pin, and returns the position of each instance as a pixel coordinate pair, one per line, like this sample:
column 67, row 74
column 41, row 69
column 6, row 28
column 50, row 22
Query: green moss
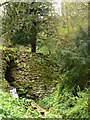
column 32, row 73
column 4, row 84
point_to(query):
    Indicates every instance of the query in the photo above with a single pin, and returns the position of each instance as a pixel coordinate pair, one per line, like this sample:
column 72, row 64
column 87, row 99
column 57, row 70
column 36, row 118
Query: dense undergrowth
column 15, row 108
column 71, row 98
column 67, row 105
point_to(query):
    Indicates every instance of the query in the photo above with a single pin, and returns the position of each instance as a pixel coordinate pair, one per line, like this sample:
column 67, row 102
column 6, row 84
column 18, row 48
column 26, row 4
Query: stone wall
column 33, row 75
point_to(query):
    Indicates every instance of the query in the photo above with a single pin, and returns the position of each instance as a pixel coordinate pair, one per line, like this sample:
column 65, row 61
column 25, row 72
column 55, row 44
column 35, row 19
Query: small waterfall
column 13, row 92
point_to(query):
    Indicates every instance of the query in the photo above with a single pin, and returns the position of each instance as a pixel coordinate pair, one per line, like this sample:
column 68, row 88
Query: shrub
column 75, row 68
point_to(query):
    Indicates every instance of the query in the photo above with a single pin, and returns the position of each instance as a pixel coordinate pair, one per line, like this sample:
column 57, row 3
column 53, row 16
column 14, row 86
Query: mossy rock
column 33, row 75
column 7, row 55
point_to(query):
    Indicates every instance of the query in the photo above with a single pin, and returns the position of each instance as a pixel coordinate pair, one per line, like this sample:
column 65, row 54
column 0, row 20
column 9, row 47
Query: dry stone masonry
column 33, row 75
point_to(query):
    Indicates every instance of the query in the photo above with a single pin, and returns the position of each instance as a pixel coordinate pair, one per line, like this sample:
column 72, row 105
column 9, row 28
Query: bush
column 75, row 68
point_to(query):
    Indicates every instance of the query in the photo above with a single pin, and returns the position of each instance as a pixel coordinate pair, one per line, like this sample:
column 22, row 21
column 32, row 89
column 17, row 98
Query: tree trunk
column 34, row 37
column 33, row 47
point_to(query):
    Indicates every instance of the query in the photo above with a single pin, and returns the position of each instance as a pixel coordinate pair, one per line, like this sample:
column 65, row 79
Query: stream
column 13, row 92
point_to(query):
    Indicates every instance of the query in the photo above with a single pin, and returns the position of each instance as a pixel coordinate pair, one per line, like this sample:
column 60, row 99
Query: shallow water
column 13, row 92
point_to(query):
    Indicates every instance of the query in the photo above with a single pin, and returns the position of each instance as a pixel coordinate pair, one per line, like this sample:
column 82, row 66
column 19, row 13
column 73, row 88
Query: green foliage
column 72, row 15
column 67, row 105
column 75, row 61
column 66, row 58
column 21, row 21
column 10, row 54
column 15, row 108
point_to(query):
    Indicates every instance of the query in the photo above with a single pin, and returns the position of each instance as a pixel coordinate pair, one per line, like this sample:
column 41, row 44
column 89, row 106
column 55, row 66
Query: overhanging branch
column 4, row 3
column 11, row 1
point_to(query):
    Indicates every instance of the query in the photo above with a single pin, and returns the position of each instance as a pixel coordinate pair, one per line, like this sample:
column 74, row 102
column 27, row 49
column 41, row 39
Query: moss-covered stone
column 32, row 74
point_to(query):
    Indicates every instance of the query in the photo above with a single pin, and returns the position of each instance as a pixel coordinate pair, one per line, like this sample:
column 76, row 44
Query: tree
column 74, row 14
column 22, row 21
